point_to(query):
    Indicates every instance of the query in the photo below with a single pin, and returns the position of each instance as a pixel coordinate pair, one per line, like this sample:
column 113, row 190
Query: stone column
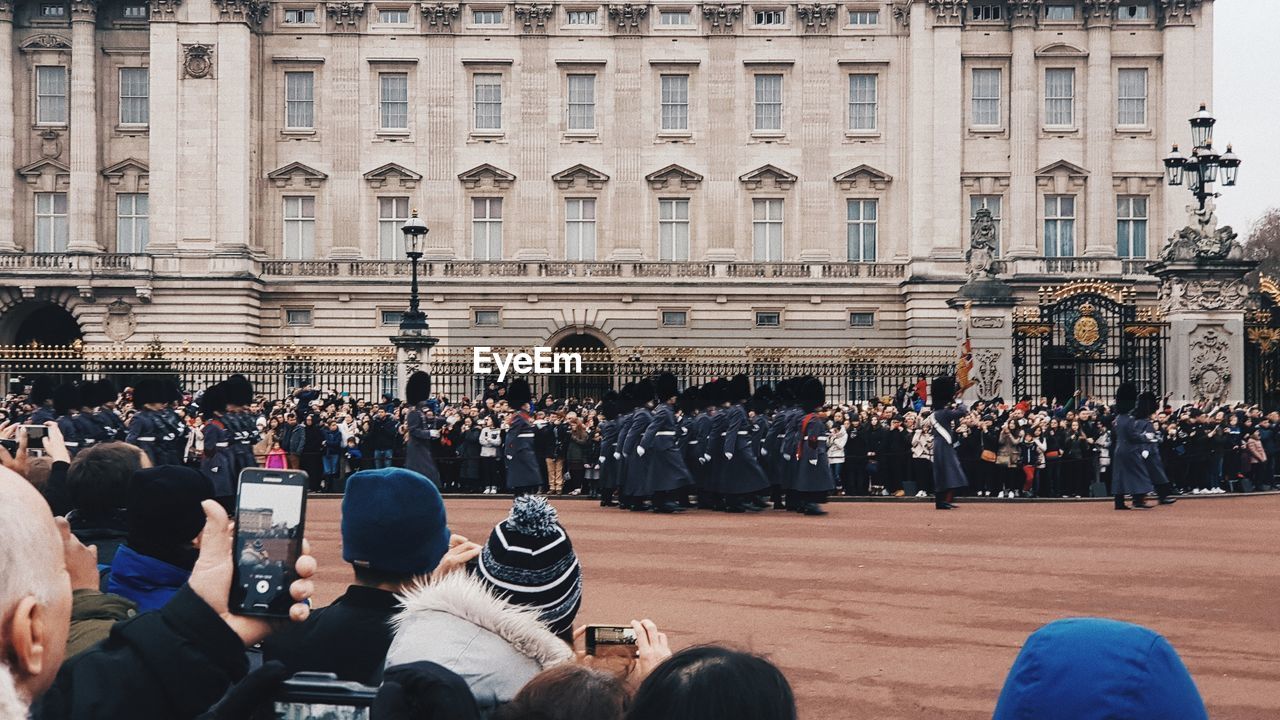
column 234, row 202
column 949, row 218
column 628, row 207
column 1182, row 96
column 8, row 236
column 1024, row 121
column 162, row 134
column 84, row 128
column 413, row 353
column 1098, row 237
column 343, row 69
column 722, row 201
column 919, row 130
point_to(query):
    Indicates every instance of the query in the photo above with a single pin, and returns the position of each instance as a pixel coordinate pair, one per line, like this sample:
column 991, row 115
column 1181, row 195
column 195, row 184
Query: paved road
column 891, row 611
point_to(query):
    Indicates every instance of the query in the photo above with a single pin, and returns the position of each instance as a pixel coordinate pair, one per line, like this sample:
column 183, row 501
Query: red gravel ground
column 895, row 610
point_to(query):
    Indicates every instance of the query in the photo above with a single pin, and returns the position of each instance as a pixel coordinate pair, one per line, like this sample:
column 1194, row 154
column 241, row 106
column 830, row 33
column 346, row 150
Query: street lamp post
column 1203, row 167
column 414, row 230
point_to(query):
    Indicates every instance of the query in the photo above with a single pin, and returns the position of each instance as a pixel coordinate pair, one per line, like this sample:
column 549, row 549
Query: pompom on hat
column 529, row 561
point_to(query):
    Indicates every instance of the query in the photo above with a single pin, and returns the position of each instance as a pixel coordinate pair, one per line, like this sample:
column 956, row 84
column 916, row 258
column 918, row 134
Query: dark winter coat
column 947, row 473
column 349, row 638
column 522, row 463
column 666, row 469
column 417, row 452
column 1130, row 471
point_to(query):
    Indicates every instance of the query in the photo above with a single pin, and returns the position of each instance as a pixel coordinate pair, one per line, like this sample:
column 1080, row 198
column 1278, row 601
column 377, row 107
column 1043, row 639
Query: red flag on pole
column 964, row 365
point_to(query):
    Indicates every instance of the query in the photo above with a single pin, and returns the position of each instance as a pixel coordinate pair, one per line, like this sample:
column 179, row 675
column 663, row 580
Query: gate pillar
column 413, row 353
column 985, row 304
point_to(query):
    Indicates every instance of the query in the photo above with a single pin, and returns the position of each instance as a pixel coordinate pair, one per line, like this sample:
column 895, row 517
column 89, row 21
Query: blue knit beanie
column 393, row 520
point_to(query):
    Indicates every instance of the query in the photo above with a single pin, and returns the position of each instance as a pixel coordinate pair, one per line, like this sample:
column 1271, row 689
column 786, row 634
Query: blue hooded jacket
column 1098, row 669
column 143, row 579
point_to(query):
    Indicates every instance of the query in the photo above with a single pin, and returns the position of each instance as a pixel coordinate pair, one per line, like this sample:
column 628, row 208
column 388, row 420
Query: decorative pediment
column 296, row 172
column 580, row 176
column 985, row 183
column 486, row 174
column 673, row 176
column 768, row 176
column 1061, row 176
column 124, row 167
column 45, row 41
column 1136, row 183
column 1061, row 49
column 50, row 167
column 392, row 173
column 863, row 176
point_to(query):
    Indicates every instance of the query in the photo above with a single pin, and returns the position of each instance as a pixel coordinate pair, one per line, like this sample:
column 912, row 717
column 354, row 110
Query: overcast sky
column 1247, row 105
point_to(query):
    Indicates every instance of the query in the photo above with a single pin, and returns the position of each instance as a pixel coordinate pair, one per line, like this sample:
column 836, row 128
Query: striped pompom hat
column 529, row 560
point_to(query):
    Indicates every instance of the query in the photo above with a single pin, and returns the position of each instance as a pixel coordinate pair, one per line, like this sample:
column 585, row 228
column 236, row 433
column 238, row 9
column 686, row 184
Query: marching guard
column 104, row 417
column 665, row 469
column 243, row 426
column 523, row 476
column 421, row 430
column 813, row 473
column 608, row 459
column 155, row 427
column 948, row 476
column 633, row 493
column 690, row 405
column 66, row 401
column 742, row 479
column 219, row 461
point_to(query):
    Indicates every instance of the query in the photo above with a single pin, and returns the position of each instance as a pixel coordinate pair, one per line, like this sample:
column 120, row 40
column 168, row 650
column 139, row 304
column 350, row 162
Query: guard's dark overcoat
column 743, row 473
column 522, row 462
column 608, row 446
column 1130, row 472
column 665, row 469
column 947, row 473
column 417, row 448
column 813, row 474
column 635, row 472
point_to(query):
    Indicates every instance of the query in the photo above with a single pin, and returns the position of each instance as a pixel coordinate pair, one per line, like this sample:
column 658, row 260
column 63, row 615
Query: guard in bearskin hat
column 742, row 480
column 523, row 474
column 241, row 423
column 715, row 394
column 948, row 476
column 422, row 430
column 41, row 399
column 219, row 461
column 1136, row 468
column 775, row 458
column 86, row 429
column 109, row 426
column 155, row 427
column 690, row 405
column 660, row 447
column 634, row 492
column 813, row 473
column 609, row 409
column 66, row 406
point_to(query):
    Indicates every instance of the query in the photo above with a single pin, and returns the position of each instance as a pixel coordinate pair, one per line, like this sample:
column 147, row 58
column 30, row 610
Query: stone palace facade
column 663, row 173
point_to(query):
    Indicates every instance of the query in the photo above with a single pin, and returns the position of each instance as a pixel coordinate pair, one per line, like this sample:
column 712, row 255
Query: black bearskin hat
column 105, row 391
column 519, row 394
column 41, row 389
column 943, row 391
column 708, row 392
column 151, row 390
column 418, row 389
column 1148, row 404
column 1126, row 398
column 608, row 406
column 664, row 387
column 644, row 392
column 238, row 390
column 690, row 399
column 738, row 390
column 213, row 401
column 762, row 400
column 784, row 393
column 66, row 398
column 812, row 394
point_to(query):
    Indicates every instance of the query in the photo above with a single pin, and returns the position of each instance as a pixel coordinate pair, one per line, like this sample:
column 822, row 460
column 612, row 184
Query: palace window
column 771, row 17
column 992, row 203
column 582, row 102
column 486, row 17
column 134, row 12
column 1059, row 225
column 768, row 102
column 1133, row 12
column 488, row 101
column 131, row 222
column 394, row 100
column 299, row 16
column 768, row 318
column 51, row 95
column 51, row 222
column 673, row 229
column 299, row 101
column 1131, row 226
column 862, row 102
column 766, row 227
column 985, row 109
column 862, row 319
column 1131, row 100
column 134, row 96
column 986, row 11
column 391, row 317
column 1060, row 97
column 580, row 229
column 393, row 16
column 486, row 228
column 864, row 17
column 393, row 212
column 299, row 227
column 860, row 229
column 581, row 17
column 675, row 102
column 486, row 318
column 671, row 18
column 50, row 11
column 1062, row 12
column 297, row 317
column 675, row 318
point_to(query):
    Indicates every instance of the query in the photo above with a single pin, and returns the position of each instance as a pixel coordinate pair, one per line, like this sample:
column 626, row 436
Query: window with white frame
column 985, row 101
column 861, row 217
column 1131, row 226
column 995, row 204
column 582, row 102
column 1059, row 225
column 131, row 222
column 393, row 16
column 1060, row 97
column 391, row 317
column 51, row 95
column 675, row 102
column 1133, row 12
column 776, row 16
column 675, row 318
column 766, row 227
column 580, row 17
column 862, row 101
column 862, row 319
column 51, row 222
column 768, row 102
column 134, row 96
column 986, row 11
column 299, row 16
column 488, row 101
column 864, row 17
column 486, row 228
column 299, row 227
column 675, row 18
column 51, row 11
column 299, row 101
column 297, row 317
column 394, row 100
column 768, row 318
column 673, row 229
column 1061, row 12
column 134, row 12
column 393, row 212
column 486, row 17
column 1131, row 100
column 579, row 229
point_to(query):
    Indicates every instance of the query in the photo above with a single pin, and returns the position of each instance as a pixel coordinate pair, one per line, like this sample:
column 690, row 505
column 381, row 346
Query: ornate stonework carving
column 949, row 13
column 1099, row 13
column 164, row 9
column 6, row 10
column 84, row 10
column 50, row 144
column 979, row 259
column 45, row 41
column 245, row 11
column 988, row 380
column 345, row 14
column 722, row 17
column 1210, row 366
column 533, row 17
column 197, row 60
column 1203, row 240
column 628, row 17
column 1198, row 294
column 673, row 176
column 1024, row 13
column 439, row 16
column 120, row 321
column 986, row 322
column 1178, row 12
column 816, row 17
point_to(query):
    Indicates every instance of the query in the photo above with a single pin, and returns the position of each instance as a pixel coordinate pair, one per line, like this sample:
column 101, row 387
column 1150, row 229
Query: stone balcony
column 581, row 270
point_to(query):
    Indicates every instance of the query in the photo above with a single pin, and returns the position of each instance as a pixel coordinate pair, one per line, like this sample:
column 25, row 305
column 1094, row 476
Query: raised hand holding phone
column 270, row 517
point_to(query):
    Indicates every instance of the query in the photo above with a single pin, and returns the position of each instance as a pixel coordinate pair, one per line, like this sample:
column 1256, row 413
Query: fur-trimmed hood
column 11, row 705
column 495, row 646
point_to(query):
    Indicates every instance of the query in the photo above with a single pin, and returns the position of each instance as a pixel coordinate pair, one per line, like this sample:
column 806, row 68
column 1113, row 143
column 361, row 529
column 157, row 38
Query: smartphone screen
column 611, row 640
column 270, row 513
column 318, row 711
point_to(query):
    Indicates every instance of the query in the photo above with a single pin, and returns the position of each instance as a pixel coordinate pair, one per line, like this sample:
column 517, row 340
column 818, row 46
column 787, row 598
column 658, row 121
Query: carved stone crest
column 816, row 17
column 1203, row 294
column 120, row 321
column 534, row 17
column 1210, row 367
column 986, row 322
column 721, row 16
column 439, row 16
column 1202, row 240
column 345, row 14
column 628, row 16
column 988, row 381
column 980, row 258
column 197, row 60
column 50, row 144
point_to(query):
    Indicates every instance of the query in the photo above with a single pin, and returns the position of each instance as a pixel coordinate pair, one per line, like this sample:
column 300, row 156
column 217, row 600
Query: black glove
column 250, row 694
column 424, row 691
